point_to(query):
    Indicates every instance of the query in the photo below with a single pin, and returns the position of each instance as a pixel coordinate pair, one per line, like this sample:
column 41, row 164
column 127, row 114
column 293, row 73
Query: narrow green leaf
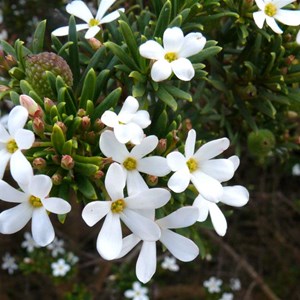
column 163, row 19
column 205, row 53
column 14, row 97
column 88, row 89
column 38, row 37
column 57, row 138
column 101, row 82
column 8, row 49
column 166, row 97
column 86, row 188
column 178, row 93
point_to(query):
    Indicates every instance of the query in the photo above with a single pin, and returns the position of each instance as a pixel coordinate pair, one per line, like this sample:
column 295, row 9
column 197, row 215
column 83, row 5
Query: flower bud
column 98, row 175
column 39, row 163
column 32, row 107
column 38, row 126
column 98, row 125
column 161, row 146
column 81, row 112
column 152, row 180
column 261, row 142
column 85, row 123
column 48, row 103
column 62, row 126
column 57, row 178
column 95, row 44
column 67, row 162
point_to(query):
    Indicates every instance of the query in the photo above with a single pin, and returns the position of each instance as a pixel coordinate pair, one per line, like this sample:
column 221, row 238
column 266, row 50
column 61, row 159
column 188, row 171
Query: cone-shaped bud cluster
column 261, row 142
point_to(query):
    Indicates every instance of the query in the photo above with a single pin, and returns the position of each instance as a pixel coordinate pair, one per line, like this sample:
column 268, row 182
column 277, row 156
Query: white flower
column 72, row 258
column 296, row 170
column 56, row 247
column 138, row 292
column 271, row 10
column 134, row 161
column 60, row 268
column 179, row 246
column 227, row 296
column 169, row 263
column 3, row 34
column 109, row 242
column 9, row 263
column 235, row 284
column 128, row 125
column 4, row 121
column 172, row 57
column 34, row 203
column 298, row 37
column 15, row 139
column 213, row 284
column 199, row 167
column 80, row 10
column 236, row 196
column 29, row 243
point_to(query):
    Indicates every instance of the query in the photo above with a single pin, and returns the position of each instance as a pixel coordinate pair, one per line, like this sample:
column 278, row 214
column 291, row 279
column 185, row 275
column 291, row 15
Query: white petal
column 92, row 31
column 152, row 50
column 110, row 118
column 203, row 208
column 111, row 147
column 182, row 217
column 179, row 181
column 62, row 31
column 176, row 161
column 173, row 39
column 41, row 227
column 217, row 218
column 94, row 211
column 40, row 186
column 274, row 26
column 212, row 149
column 148, row 199
column 115, row 181
column 298, row 37
column 282, row 3
column 109, row 241
column 146, row 263
column 80, row 10
column 129, row 132
column 189, row 148
column 261, row 4
column 193, row 43
column 259, row 18
column 17, row 119
column 14, row 219
column 235, row 195
column 103, row 7
column 181, row 247
column 147, row 145
column 129, row 242
column 235, row 160
column 183, row 69
column 135, row 182
column 5, row 156
column 154, row 165
column 130, row 107
column 137, row 133
column 4, row 136
column 161, row 70
column 139, row 225
column 24, row 138
column 220, row 169
column 10, row 194
column 208, row 187
column 288, row 17
column 56, row 205
column 141, row 118
column 112, row 16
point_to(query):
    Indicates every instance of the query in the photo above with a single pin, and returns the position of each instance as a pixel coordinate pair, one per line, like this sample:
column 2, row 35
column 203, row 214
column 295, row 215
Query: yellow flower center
column 93, row 22
column 171, row 56
column 118, row 206
column 192, row 164
column 270, row 9
column 11, row 146
column 130, row 163
column 35, row 201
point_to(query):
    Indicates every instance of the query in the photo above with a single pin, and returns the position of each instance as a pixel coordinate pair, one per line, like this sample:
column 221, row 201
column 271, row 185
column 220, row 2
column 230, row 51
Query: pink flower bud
column 67, row 162
column 32, row 107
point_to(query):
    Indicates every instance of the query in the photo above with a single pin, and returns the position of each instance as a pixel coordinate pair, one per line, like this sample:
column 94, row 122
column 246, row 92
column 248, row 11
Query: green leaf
column 101, row 82
column 57, row 138
column 8, row 49
column 178, row 93
column 14, row 97
column 205, row 53
column 86, row 188
column 166, row 97
column 17, row 73
column 88, row 89
column 85, row 168
column 38, row 37
column 67, row 147
column 163, row 19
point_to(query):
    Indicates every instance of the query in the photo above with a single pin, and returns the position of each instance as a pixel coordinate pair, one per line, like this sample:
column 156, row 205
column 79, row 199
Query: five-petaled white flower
column 109, row 241
column 172, row 57
column 60, row 268
column 128, row 125
column 179, row 246
column 34, row 203
column 199, row 167
column 213, row 284
column 9, row 263
column 15, row 139
column 56, row 247
column 80, row 10
column 169, row 263
column 235, row 284
column 138, row 292
column 227, row 296
column 134, row 161
column 29, row 243
column 271, row 10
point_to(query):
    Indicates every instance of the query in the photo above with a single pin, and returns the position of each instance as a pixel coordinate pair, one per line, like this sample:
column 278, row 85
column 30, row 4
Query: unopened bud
column 62, row 126
column 247, row 92
column 56, row 159
column 4, row 88
column 85, row 123
column 161, row 146
column 98, row 175
column 67, row 162
column 81, row 112
column 152, row 180
column 38, row 126
column 188, row 124
column 57, row 179
column 48, row 103
column 95, row 44
column 39, row 163
column 98, row 125
column 32, row 107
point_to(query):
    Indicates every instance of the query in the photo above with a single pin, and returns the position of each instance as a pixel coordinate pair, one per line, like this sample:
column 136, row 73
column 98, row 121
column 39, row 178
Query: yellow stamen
column 35, row 201
column 270, row 9
column 130, row 163
column 171, row 56
column 93, row 22
column 11, row 146
column 192, row 165
column 118, row 206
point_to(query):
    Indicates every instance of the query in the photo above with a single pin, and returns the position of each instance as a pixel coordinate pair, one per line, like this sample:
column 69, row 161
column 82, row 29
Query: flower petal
column 154, row 165
column 298, row 37
column 288, row 17
column 179, row 181
column 14, row 219
column 111, row 147
column 189, row 148
column 64, row 30
column 17, row 119
column 40, row 186
column 152, row 50
column 235, row 195
column 147, row 145
column 115, row 181
column 24, row 138
column 181, row 247
column 103, row 7
column 161, row 70
column 141, row 118
column 141, row 226
column 56, row 205
column 183, row 69
column 146, row 263
column 212, row 149
column 282, row 3
column 110, row 118
column 217, row 218
column 41, row 227
column 259, row 18
column 135, row 182
column 10, row 194
column 94, row 211
column 182, row 217
column 109, row 241
column 235, row 160
column 203, row 208
column 261, row 4
column 274, row 26
column 130, row 107
column 193, row 43
column 112, row 16
column 4, row 136
column 220, row 169
column 92, row 31
column 5, row 156
column 129, row 242
column 176, row 161
column 173, row 39
column 80, row 10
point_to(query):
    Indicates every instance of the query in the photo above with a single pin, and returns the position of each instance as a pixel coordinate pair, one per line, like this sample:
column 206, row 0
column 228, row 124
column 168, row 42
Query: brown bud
column 38, row 126
column 62, row 126
column 161, row 146
column 152, row 180
column 48, row 103
column 57, row 178
column 98, row 125
column 67, row 162
column 39, row 163
column 85, row 123
column 32, row 107
column 81, row 112
column 95, row 44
